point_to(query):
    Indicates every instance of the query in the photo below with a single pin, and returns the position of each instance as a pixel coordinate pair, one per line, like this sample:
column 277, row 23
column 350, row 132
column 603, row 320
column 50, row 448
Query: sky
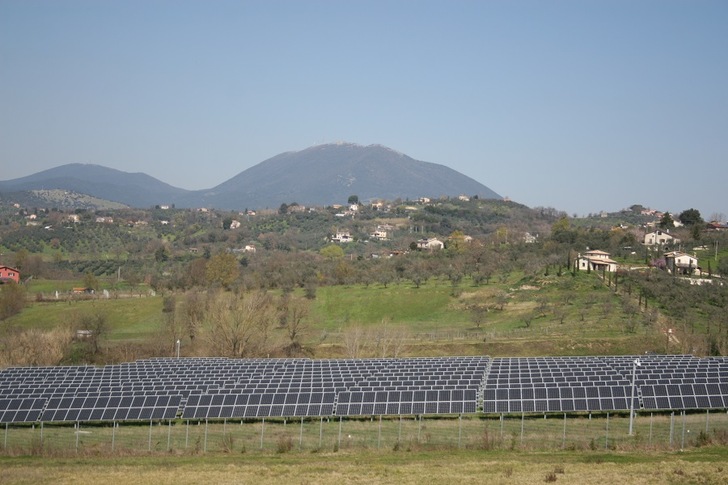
column 581, row 105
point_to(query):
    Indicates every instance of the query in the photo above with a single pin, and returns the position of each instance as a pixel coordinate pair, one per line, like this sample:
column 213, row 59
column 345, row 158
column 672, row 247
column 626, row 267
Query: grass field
column 542, row 316
column 702, row 466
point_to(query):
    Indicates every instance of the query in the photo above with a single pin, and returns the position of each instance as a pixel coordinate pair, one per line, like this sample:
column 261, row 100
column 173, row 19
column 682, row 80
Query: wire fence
column 504, row 432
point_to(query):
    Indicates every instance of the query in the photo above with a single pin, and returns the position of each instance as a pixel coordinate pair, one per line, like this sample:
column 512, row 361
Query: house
column 529, row 238
column 430, row 244
column 681, row 263
column 659, row 238
column 382, row 232
column 342, row 237
column 595, row 260
column 8, row 274
column 234, row 224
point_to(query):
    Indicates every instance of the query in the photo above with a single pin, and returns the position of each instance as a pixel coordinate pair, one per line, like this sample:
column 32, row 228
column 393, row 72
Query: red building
column 8, row 274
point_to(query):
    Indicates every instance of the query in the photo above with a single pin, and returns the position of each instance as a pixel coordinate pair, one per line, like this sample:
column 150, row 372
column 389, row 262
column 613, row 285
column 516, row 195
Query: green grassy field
column 553, row 315
column 702, row 466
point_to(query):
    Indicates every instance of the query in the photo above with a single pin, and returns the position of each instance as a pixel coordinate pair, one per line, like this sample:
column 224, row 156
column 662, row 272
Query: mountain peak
column 319, row 175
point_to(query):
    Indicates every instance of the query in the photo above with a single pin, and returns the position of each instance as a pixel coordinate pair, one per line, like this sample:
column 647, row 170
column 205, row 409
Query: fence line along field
column 544, row 433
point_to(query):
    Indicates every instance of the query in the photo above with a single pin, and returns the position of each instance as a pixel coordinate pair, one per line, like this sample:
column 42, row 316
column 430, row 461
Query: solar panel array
column 567, row 384
column 218, row 388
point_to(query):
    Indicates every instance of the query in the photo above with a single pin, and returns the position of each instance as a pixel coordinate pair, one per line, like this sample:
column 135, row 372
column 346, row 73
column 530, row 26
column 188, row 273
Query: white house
column 659, row 238
column 681, row 263
column 431, row 244
column 596, row 260
column 342, row 237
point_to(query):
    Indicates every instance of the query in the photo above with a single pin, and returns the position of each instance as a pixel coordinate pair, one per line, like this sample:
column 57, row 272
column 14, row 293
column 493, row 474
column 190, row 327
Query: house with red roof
column 8, row 274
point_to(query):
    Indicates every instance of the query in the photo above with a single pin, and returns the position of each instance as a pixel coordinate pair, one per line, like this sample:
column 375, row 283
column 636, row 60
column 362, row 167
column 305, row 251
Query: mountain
column 320, row 175
column 329, row 174
column 132, row 189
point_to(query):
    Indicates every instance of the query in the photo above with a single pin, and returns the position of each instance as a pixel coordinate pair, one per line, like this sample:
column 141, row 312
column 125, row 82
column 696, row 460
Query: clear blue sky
column 580, row 105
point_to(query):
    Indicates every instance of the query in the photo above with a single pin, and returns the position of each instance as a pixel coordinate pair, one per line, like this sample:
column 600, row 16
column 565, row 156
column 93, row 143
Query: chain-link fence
column 515, row 432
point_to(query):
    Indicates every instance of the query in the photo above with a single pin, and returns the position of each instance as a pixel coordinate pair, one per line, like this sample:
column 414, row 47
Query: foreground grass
column 704, row 466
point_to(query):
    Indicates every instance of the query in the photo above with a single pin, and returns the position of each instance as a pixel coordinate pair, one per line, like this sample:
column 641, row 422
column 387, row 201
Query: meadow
column 550, row 315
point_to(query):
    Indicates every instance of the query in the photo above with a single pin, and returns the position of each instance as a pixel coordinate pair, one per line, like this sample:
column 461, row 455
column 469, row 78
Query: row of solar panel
column 255, row 399
column 405, row 408
column 556, row 405
column 507, row 394
column 685, row 402
column 109, row 414
column 407, row 396
column 257, row 411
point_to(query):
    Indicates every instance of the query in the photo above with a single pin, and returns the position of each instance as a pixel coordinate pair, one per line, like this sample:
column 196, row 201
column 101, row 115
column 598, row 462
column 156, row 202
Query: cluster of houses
column 676, row 262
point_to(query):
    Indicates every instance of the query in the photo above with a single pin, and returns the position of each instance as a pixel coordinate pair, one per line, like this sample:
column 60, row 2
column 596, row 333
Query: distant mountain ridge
column 319, row 175
column 132, row 189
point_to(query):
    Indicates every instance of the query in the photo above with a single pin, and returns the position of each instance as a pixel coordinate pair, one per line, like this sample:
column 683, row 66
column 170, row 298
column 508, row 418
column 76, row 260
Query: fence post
column 300, row 436
column 204, row 449
column 262, row 430
column 341, row 421
column 78, row 428
column 149, row 447
column 563, row 439
column 379, row 433
column 399, row 434
column 606, row 437
column 501, row 427
column 169, row 436
column 523, row 416
column 650, row 439
column 672, row 426
column 419, row 429
column 707, row 421
column 321, row 432
column 187, row 434
column 113, row 435
column 460, row 429
column 6, row 436
column 682, row 442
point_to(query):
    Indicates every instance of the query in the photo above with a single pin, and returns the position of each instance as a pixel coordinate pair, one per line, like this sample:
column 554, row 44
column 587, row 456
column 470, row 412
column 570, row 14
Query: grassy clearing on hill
column 564, row 315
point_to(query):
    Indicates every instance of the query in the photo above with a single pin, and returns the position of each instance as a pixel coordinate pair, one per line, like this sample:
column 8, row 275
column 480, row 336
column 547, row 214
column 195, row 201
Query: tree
column 222, row 269
column 90, row 282
column 332, row 251
column 353, row 199
column 478, row 314
column 161, row 255
column 97, row 323
column 240, row 325
column 12, row 300
column 295, row 324
column 691, row 217
column 666, row 222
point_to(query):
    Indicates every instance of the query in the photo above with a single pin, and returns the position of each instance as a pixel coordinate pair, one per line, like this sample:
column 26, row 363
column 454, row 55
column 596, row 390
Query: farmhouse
column 8, row 274
column 342, row 237
column 430, row 244
column 595, row 260
column 659, row 238
column 681, row 263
